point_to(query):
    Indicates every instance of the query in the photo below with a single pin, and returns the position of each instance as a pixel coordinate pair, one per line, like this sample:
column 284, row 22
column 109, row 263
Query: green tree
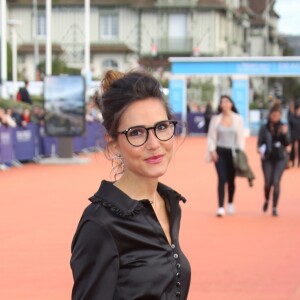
column 58, row 67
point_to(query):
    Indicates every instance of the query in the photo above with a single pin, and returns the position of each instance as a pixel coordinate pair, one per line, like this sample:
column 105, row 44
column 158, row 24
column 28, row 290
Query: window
column 177, row 25
column 109, row 26
column 41, row 24
column 110, row 64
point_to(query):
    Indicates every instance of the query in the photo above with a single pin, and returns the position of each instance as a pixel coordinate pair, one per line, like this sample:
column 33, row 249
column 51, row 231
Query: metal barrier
column 31, row 142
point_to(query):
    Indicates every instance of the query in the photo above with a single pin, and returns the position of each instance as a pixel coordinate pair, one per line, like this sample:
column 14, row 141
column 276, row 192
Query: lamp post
column 12, row 24
column 87, row 37
column 269, row 4
column 3, row 78
column 35, row 36
column 48, row 38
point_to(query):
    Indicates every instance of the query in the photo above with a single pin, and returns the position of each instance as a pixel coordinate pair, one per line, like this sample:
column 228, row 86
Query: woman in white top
column 225, row 135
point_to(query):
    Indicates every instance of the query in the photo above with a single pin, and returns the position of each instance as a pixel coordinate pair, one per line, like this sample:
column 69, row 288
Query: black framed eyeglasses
column 138, row 135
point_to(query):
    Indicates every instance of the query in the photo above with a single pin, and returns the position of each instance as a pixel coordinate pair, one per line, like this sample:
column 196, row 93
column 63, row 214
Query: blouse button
column 178, row 266
column 177, row 274
column 178, row 294
column 175, row 255
column 178, row 284
column 173, row 246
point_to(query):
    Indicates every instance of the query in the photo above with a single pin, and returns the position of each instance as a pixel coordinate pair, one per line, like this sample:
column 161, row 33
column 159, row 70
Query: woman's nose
column 153, row 141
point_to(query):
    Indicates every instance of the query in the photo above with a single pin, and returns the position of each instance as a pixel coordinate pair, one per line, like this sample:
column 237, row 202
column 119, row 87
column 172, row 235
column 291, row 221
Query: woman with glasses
column 126, row 245
column 225, row 135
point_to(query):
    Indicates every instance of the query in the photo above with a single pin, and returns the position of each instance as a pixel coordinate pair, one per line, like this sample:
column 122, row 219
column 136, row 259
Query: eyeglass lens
column 137, row 136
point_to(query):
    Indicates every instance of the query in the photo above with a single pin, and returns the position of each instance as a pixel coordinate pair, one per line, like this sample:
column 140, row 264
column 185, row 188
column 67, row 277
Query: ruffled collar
column 120, row 204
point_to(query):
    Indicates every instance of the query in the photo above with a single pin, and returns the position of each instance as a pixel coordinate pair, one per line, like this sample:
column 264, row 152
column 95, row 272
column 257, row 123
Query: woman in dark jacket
column 272, row 142
column 126, row 245
column 294, row 121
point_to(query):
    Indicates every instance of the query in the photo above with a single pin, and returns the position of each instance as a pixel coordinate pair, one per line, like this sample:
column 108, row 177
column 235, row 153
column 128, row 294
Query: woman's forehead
column 144, row 112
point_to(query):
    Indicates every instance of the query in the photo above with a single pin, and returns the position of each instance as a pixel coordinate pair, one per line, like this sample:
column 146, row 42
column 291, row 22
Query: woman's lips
column 154, row 159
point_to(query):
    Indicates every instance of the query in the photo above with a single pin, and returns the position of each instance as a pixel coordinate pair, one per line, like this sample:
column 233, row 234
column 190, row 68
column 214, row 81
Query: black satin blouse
column 120, row 251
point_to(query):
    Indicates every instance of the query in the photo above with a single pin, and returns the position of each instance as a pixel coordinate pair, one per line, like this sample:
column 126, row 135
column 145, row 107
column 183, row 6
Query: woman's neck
column 137, row 188
column 227, row 113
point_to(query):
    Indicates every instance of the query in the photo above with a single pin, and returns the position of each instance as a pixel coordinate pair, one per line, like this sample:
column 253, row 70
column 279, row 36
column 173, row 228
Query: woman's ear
column 112, row 144
column 108, row 138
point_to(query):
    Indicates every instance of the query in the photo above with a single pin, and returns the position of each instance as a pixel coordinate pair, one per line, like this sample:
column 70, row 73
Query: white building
column 127, row 33
column 265, row 39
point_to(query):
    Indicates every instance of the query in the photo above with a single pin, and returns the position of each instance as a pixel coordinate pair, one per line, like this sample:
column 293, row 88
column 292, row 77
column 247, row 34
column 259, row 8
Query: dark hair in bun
column 118, row 90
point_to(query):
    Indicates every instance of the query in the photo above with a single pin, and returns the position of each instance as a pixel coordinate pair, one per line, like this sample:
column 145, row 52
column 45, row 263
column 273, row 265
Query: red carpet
column 245, row 256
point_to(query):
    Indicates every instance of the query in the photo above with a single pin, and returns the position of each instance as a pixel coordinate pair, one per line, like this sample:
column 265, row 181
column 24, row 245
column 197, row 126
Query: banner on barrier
column 6, row 145
column 24, row 140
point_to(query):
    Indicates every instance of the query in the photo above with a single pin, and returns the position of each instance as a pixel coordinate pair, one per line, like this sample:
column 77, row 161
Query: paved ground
column 242, row 257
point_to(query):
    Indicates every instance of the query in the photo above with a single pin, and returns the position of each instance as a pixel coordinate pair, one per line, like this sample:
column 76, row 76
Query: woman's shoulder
column 216, row 118
column 170, row 193
column 237, row 116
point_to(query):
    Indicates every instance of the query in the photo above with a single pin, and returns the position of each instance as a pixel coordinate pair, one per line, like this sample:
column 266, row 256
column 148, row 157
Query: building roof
column 95, row 48
column 245, row 10
column 136, row 3
column 212, row 3
column 259, row 7
column 110, row 48
column 221, row 4
column 29, row 48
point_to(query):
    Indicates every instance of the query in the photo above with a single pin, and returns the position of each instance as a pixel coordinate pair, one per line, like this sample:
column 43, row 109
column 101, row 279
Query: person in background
column 6, row 119
column 38, row 115
column 127, row 242
column 26, row 117
column 294, row 122
column 92, row 112
column 291, row 111
column 14, row 115
column 207, row 116
column 225, row 135
column 23, row 94
column 272, row 141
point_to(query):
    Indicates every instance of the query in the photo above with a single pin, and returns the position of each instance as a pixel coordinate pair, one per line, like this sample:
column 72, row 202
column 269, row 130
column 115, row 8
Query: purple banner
column 91, row 134
column 196, row 123
column 78, row 143
column 6, row 145
column 100, row 135
column 25, row 142
column 48, row 145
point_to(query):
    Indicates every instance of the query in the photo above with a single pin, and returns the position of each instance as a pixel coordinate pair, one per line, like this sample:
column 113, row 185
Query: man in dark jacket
column 24, row 95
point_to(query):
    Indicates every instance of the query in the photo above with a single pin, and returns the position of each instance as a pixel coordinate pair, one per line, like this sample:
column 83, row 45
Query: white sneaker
column 230, row 209
column 221, row 212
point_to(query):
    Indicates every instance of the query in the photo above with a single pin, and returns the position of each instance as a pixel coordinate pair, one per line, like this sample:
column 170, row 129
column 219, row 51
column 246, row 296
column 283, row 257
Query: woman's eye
column 136, row 132
column 162, row 126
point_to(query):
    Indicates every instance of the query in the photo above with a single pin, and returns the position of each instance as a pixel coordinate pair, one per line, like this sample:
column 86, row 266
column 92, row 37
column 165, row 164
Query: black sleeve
column 261, row 138
column 94, row 263
column 285, row 138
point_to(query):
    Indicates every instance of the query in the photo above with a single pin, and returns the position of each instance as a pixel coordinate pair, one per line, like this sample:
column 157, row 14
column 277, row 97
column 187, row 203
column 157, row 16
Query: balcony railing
column 175, row 45
column 172, row 3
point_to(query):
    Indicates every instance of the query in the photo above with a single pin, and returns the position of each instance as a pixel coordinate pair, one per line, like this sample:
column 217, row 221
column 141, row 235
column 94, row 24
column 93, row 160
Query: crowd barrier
column 20, row 144
column 31, row 142
column 196, row 123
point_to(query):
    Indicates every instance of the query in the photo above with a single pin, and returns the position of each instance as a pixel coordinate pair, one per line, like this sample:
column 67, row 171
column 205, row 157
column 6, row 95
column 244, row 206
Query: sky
column 289, row 11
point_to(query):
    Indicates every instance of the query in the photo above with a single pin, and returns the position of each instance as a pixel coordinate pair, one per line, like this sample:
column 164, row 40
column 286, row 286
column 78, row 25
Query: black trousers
column 273, row 171
column 226, row 174
column 293, row 151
